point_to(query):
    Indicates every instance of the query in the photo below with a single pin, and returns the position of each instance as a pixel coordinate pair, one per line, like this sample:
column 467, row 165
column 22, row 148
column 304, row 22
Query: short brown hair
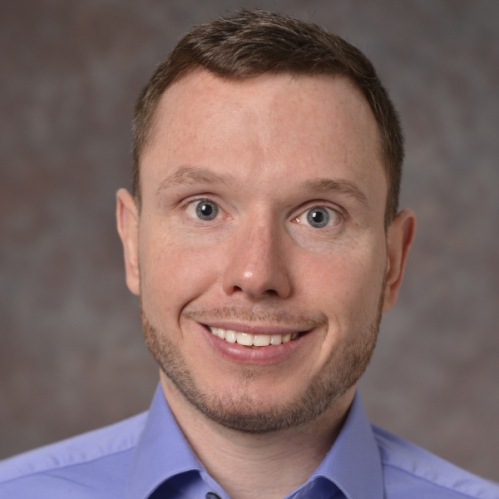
column 251, row 43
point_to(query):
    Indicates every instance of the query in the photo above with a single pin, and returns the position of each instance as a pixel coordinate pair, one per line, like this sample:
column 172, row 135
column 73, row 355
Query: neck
column 267, row 465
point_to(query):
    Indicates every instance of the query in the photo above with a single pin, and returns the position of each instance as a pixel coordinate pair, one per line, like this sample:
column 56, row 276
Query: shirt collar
column 353, row 464
column 161, row 452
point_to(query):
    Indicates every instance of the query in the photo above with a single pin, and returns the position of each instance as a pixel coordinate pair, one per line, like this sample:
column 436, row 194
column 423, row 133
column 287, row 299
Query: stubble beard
column 240, row 412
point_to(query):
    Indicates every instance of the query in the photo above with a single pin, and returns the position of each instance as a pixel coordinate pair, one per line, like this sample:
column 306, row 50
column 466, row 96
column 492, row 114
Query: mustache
column 266, row 315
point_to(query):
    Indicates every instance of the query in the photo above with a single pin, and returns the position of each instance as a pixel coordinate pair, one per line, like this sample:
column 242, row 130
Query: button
column 212, row 495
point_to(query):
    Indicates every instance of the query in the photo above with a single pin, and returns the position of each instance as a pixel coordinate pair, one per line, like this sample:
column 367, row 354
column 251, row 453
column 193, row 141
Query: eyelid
column 189, row 201
column 336, row 209
column 194, row 199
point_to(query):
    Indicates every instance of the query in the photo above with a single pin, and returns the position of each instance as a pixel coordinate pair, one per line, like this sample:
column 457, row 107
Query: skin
column 266, row 150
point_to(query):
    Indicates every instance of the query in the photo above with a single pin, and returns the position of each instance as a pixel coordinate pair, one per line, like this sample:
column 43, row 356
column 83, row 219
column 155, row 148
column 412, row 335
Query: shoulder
column 78, row 467
column 410, row 470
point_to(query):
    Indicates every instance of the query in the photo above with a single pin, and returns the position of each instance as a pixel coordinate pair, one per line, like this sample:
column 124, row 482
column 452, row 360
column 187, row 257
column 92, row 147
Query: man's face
column 261, row 222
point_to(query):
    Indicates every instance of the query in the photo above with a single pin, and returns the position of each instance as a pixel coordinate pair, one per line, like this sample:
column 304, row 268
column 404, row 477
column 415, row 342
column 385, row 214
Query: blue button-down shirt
column 147, row 456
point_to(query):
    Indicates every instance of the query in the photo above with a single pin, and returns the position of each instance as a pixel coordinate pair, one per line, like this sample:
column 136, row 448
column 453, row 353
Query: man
column 264, row 239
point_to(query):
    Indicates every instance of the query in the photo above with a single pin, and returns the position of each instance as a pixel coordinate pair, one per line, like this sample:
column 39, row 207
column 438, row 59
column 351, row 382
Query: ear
column 127, row 219
column 398, row 242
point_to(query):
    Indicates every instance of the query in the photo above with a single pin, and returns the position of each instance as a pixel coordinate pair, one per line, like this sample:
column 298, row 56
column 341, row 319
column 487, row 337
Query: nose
column 256, row 264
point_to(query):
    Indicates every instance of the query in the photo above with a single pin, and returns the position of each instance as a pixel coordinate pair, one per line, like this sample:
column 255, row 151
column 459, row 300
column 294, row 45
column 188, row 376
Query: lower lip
column 271, row 354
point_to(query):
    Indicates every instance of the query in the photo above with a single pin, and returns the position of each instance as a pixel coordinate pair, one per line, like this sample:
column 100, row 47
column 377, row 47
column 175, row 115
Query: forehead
column 268, row 127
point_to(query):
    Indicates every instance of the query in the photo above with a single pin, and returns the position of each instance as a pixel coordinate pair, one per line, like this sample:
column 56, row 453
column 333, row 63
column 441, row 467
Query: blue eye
column 206, row 210
column 318, row 217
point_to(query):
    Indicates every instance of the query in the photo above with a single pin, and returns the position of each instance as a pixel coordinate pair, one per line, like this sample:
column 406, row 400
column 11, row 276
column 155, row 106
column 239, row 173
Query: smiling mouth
column 252, row 340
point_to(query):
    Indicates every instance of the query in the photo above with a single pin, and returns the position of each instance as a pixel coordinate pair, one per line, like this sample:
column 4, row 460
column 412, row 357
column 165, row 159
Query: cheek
column 172, row 274
column 345, row 285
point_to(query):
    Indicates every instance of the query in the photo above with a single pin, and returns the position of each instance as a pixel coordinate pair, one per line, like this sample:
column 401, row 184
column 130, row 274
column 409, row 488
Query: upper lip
column 269, row 329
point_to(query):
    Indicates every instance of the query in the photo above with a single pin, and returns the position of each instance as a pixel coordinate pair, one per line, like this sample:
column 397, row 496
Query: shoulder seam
column 39, row 460
column 388, row 443
column 64, row 466
column 419, row 477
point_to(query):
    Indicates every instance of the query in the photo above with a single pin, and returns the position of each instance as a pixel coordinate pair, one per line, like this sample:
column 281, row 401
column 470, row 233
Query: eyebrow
column 194, row 175
column 325, row 185
column 187, row 174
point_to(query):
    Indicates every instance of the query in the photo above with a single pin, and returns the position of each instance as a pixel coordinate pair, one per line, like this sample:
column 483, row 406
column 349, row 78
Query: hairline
column 151, row 119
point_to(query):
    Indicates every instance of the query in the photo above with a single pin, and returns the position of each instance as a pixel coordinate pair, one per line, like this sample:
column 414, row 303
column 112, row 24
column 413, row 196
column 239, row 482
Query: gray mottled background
column 72, row 356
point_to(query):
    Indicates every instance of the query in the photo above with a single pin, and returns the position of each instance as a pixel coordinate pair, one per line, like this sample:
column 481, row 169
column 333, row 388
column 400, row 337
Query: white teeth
column 261, row 340
column 218, row 332
column 276, row 339
column 257, row 340
column 230, row 336
column 244, row 339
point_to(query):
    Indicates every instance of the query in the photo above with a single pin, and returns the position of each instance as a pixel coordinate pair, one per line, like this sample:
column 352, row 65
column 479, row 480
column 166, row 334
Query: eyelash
column 195, row 203
column 337, row 212
column 320, row 208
